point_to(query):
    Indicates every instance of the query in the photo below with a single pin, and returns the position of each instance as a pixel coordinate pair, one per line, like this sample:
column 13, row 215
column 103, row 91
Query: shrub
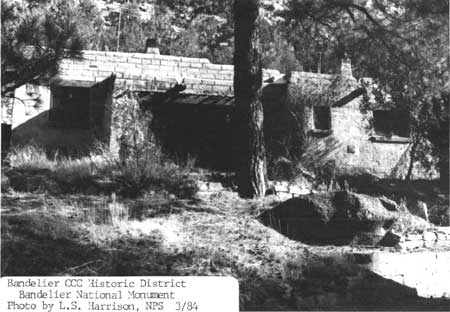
column 326, row 176
column 145, row 171
column 142, row 166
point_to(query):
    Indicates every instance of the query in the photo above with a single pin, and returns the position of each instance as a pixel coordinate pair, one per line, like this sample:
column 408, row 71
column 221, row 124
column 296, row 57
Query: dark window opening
column 70, row 107
column 322, row 118
column 391, row 123
column 80, row 104
column 76, row 107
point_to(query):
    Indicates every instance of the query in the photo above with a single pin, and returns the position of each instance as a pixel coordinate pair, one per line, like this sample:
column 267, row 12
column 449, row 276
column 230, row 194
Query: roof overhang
column 73, row 83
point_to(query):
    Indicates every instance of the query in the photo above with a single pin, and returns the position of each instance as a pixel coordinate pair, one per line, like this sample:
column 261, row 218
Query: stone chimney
column 151, row 46
column 346, row 66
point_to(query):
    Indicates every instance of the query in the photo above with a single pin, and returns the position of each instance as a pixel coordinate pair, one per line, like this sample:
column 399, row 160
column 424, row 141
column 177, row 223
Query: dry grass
column 31, row 170
column 157, row 234
column 102, row 236
column 97, row 235
column 30, row 157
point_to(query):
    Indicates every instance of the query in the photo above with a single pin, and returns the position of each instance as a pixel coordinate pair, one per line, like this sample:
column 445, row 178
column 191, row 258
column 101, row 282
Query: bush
column 145, row 171
column 326, row 176
column 142, row 166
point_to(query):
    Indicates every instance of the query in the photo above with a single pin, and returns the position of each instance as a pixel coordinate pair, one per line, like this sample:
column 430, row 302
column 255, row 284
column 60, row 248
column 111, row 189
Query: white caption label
column 152, row 293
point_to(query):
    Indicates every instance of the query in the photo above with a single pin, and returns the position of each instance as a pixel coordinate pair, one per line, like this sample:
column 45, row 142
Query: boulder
column 337, row 218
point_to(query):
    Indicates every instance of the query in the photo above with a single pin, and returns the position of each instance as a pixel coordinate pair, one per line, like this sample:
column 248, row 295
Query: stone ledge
column 383, row 139
column 298, row 74
column 320, row 133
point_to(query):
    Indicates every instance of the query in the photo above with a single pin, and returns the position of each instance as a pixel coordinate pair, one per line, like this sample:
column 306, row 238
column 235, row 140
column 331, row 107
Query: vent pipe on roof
column 346, row 66
column 151, row 46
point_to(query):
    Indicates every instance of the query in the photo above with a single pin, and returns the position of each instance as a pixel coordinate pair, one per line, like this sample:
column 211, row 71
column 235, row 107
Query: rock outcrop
column 334, row 218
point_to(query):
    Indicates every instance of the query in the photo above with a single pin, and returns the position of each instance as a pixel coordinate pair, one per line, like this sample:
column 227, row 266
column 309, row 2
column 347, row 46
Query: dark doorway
column 194, row 126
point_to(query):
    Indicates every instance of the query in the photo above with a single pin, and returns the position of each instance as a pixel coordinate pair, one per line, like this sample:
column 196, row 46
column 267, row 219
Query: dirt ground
column 214, row 234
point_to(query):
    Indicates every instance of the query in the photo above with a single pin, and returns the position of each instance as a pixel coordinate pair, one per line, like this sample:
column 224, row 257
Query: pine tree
column 35, row 37
column 248, row 138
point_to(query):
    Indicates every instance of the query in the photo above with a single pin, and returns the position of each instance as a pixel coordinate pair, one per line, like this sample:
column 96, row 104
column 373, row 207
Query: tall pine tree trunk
column 248, row 139
column 412, row 157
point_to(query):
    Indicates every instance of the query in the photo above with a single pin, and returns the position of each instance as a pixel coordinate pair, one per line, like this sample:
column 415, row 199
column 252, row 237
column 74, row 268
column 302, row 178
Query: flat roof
column 73, row 83
column 188, row 99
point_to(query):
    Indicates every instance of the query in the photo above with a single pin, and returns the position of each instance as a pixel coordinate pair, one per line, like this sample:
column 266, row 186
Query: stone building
column 192, row 101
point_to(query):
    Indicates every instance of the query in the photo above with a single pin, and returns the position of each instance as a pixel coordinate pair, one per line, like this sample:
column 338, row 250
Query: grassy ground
column 83, row 228
column 74, row 235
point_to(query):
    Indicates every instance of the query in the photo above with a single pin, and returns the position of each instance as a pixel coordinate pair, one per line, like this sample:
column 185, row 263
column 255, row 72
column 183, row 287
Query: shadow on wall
column 419, row 170
column 320, row 151
column 401, row 168
column 73, row 142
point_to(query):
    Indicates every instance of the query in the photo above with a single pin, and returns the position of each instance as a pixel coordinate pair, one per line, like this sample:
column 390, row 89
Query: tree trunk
column 248, row 140
column 412, row 157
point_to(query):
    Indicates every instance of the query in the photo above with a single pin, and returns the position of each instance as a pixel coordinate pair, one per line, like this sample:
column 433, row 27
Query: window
column 322, row 118
column 70, row 107
column 390, row 123
column 80, row 104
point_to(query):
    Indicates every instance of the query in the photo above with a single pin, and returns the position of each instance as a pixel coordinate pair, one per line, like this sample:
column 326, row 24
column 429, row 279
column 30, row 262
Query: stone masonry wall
column 319, row 80
column 352, row 128
column 154, row 72
column 136, row 71
column 29, row 119
column 350, row 148
column 349, row 144
column 146, row 72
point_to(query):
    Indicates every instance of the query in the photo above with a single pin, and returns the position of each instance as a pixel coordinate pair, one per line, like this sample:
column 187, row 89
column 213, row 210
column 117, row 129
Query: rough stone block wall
column 349, row 145
column 319, row 80
column 124, row 111
column 30, row 124
column 427, row 271
column 350, row 148
column 7, row 107
column 155, row 72
column 352, row 128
